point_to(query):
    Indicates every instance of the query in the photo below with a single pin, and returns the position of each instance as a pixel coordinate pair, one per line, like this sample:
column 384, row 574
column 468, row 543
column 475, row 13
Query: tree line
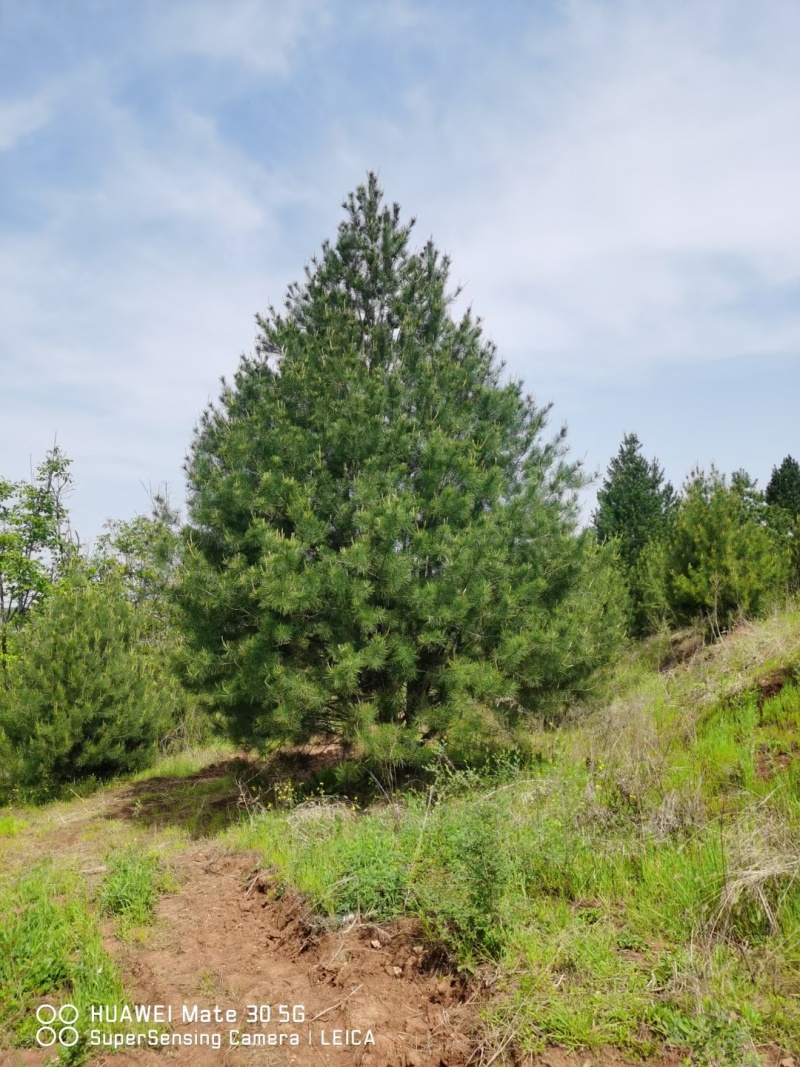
column 718, row 550
column 382, row 546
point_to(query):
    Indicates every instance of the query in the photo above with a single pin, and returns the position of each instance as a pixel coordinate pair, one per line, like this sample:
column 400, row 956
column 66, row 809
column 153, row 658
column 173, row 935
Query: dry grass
column 763, row 862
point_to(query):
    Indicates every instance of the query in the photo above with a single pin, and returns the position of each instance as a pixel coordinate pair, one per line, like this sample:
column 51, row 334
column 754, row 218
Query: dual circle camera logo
column 57, row 1025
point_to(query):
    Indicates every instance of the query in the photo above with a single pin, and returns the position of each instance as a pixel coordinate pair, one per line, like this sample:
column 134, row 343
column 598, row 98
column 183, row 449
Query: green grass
column 10, row 826
column 132, row 883
column 51, row 949
column 188, row 762
column 639, row 887
column 600, row 921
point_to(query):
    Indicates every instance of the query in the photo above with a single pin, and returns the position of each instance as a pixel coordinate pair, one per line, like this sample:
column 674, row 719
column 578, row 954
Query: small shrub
column 86, row 696
column 461, row 880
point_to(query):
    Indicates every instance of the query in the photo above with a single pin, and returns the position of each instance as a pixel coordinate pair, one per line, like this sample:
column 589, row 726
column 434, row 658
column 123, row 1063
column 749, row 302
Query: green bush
column 85, row 696
column 374, row 868
column 722, row 560
column 461, row 879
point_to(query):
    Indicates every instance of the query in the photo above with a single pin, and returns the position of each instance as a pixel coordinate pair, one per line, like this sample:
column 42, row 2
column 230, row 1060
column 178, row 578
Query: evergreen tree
column 85, row 695
column 634, row 508
column 783, row 489
column 381, row 545
column 721, row 558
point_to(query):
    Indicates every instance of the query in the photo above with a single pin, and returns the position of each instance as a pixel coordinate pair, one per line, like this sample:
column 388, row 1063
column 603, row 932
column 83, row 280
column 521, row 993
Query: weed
column 10, row 826
column 715, row 1037
column 461, row 880
column 207, row 985
column 50, row 947
column 131, row 887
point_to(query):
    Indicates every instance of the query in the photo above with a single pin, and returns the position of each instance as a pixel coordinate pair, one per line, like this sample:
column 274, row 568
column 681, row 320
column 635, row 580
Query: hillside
column 627, row 893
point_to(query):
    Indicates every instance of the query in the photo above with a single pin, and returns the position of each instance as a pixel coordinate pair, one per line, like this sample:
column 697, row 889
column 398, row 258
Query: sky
column 616, row 184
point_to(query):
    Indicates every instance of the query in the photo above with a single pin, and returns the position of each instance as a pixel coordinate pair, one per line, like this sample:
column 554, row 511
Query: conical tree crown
column 635, row 502
column 783, row 490
column 378, row 533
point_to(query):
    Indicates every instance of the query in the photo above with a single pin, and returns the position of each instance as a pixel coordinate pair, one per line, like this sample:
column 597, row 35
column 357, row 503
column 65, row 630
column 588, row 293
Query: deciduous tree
column 34, row 539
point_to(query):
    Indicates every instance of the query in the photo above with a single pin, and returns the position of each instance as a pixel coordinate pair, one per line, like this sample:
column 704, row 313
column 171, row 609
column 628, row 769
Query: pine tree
column 721, row 558
column 85, row 695
column 783, row 512
column 634, row 509
column 783, row 489
column 381, row 545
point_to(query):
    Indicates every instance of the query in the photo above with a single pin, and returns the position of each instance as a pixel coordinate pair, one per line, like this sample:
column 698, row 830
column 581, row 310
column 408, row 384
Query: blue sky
column 616, row 184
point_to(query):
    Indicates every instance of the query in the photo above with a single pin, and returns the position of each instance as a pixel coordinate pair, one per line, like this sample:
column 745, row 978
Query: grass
column 51, row 948
column 608, row 934
column 52, row 912
column 10, row 826
column 132, row 884
column 637, row 887
column 188, row 762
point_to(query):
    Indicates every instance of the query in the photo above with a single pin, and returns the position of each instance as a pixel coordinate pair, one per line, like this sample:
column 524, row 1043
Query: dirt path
column 225, row 940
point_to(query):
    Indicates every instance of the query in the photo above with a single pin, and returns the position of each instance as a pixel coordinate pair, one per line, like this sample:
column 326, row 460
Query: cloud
column 134, row 292
column 617, row 190
column 262, row 35
column 615, row 184
column 20, row 118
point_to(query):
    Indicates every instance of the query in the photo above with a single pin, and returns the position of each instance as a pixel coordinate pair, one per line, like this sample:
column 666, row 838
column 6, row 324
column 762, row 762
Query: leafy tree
column 85, row 696
column 381, row 545
column 34, row 539
column 783, row 489
column 634, row 508
column 143, row 555
column 721, row 560
column 145, row 552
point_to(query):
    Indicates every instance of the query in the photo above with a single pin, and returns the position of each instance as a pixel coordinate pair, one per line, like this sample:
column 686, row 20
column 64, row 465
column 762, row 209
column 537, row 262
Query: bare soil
column 228, row 939
column 225, row 939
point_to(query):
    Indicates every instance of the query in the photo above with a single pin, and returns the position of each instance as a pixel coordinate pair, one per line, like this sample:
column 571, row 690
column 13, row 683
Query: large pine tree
column 381, row 545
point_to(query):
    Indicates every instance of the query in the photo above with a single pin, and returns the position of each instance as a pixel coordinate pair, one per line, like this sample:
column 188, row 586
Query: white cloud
column 260, row 34
column 20, row 118
column 618, row 193
column 629, row 191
